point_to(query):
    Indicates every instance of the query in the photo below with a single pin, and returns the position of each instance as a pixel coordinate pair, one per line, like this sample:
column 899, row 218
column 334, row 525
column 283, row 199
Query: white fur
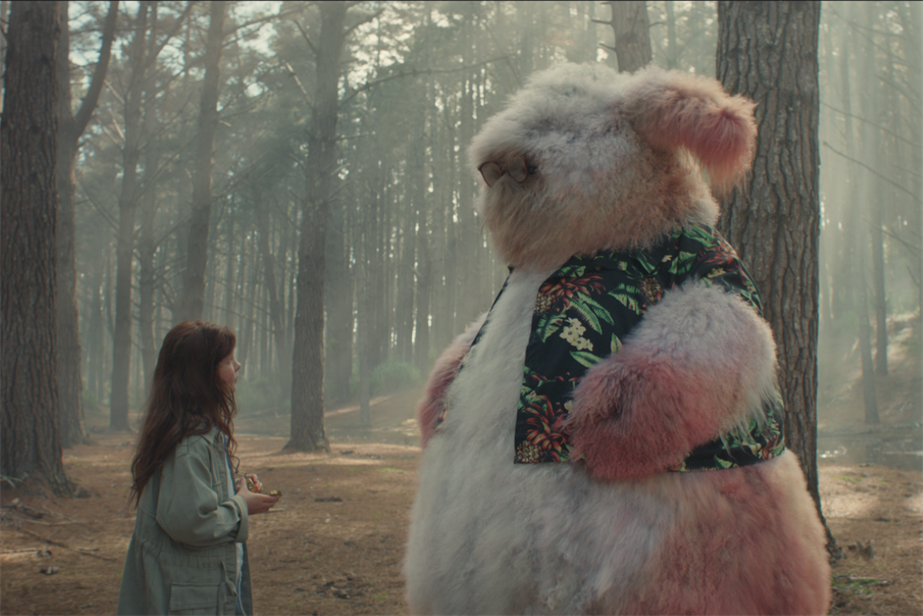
column 599, row 184
column 717, row 334
column 482, row 526
column 488, row 536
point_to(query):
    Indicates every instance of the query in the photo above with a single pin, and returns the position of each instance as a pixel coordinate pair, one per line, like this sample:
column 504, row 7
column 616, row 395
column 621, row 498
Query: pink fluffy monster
column 607, row 438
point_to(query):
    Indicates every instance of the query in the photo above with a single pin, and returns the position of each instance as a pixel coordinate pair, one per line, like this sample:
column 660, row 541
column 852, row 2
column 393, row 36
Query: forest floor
column 335, row 542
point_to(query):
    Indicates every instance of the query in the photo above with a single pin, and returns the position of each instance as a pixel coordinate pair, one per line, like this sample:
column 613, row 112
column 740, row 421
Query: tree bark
column 881, row 301
column 31, row 444
column 128, row 199
column 70, row 128
column 147, row 248
column 423, row 268
column 339, row 360
column 276, row 316
column 768, row 52
column 307, row 419
column 632, row 30
column 4, row 14
column 859, row 208
column 406, row 279
column 193, row 301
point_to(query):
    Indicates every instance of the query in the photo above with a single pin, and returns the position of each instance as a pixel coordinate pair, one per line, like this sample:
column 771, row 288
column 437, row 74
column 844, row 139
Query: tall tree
column 142, row 53
column 767, row 51
column 131, row 153
column 632, row 29
column 307, row 418
column 31, row 444
column 193, row 300
column 70, row 128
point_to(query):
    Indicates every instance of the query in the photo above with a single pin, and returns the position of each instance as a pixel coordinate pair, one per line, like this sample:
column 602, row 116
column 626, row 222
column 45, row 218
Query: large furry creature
column 607, row 440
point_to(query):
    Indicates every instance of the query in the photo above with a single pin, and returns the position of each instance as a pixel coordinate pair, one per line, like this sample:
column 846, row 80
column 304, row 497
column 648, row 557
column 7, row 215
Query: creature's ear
column 674, row 109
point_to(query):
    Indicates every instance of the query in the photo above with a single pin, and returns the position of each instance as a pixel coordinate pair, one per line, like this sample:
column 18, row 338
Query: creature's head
column 612, row 161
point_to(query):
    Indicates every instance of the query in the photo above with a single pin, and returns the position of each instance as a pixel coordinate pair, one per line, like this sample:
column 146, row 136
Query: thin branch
column 99, row 73
column 912, row 277
column 914, row 250
column 364, row 20
column 861, row 164
column 913, row 98
column 294, row 76
column 261, row 20
column 155, row 51
column 307, row 39
column 414, row 72
column 882, row 128
column 99, row 208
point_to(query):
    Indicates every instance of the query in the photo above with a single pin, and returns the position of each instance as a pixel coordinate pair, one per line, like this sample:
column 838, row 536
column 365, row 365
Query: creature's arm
column 701, row 361
column 433, row 401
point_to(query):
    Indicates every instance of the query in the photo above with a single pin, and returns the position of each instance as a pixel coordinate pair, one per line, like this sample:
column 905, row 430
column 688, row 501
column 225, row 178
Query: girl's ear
column 672, row 109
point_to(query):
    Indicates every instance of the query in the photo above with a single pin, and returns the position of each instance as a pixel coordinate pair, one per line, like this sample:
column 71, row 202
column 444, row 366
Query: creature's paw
column 431, row 405
column 701, row 362
column 635, row 416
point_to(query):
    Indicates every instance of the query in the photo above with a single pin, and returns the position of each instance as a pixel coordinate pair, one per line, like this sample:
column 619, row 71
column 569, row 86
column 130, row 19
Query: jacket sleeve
column 189, row 509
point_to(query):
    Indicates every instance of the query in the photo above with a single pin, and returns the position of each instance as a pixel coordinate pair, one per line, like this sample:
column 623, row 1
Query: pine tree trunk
column 30, row 438
column 70, row 128
column 68, row 353
column 128, row 199
column 632, row 30
column 869, row 393
column 146, row 272
column 423, row 265
column 881, row 301
column 307, row 425
column 768, row 52
column 229, row 287
column 95, row 347
column 193, row 301
column 276, row 313
column 340, row 303
column 406, row 283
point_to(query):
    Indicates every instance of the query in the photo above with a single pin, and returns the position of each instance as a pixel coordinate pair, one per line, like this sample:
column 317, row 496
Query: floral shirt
column 587, row 307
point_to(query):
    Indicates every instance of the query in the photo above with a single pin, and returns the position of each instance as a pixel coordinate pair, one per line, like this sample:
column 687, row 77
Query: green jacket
column 182, row 558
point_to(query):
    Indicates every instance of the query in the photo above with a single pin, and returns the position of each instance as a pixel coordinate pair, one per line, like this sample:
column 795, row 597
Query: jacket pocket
column 194, row 598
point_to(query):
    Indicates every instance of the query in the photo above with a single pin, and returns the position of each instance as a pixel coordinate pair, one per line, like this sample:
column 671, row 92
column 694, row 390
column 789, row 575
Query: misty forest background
column 339, row 175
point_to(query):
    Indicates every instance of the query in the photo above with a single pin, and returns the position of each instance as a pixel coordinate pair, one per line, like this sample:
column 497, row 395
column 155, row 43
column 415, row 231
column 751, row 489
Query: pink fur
column 674, row 109
column 744, row 545
column 698, row 364
column 440, row 378
column 642, row 416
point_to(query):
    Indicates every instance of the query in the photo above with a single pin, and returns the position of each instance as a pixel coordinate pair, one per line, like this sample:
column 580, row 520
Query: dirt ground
column 335, row 542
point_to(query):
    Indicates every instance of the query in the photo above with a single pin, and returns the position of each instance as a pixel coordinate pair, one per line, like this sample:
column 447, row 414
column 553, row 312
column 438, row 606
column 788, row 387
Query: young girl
column 187, row 553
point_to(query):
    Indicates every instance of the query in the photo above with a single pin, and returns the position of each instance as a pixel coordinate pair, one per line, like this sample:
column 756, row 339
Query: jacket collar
column 216, row 437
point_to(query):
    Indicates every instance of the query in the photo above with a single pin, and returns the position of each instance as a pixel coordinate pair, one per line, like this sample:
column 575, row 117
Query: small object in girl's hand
column 251, row 485
column 275, row 493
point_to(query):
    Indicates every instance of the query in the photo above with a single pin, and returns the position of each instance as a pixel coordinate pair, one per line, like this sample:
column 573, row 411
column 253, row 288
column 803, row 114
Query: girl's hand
column 256, row 503
column 252, row 482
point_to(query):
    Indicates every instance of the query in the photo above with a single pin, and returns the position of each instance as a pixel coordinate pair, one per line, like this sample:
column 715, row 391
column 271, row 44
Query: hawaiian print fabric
column 587, row 307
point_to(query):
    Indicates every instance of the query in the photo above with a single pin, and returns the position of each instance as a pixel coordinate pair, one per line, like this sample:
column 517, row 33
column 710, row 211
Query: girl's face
column 227, row 371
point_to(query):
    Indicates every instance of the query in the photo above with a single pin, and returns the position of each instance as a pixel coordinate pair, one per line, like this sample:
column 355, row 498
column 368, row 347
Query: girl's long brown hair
column 187, row 397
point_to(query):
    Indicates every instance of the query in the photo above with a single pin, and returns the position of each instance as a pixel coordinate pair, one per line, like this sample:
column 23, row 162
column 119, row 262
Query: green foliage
column 261, row 395
column 389, row 377
column 859, row 586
